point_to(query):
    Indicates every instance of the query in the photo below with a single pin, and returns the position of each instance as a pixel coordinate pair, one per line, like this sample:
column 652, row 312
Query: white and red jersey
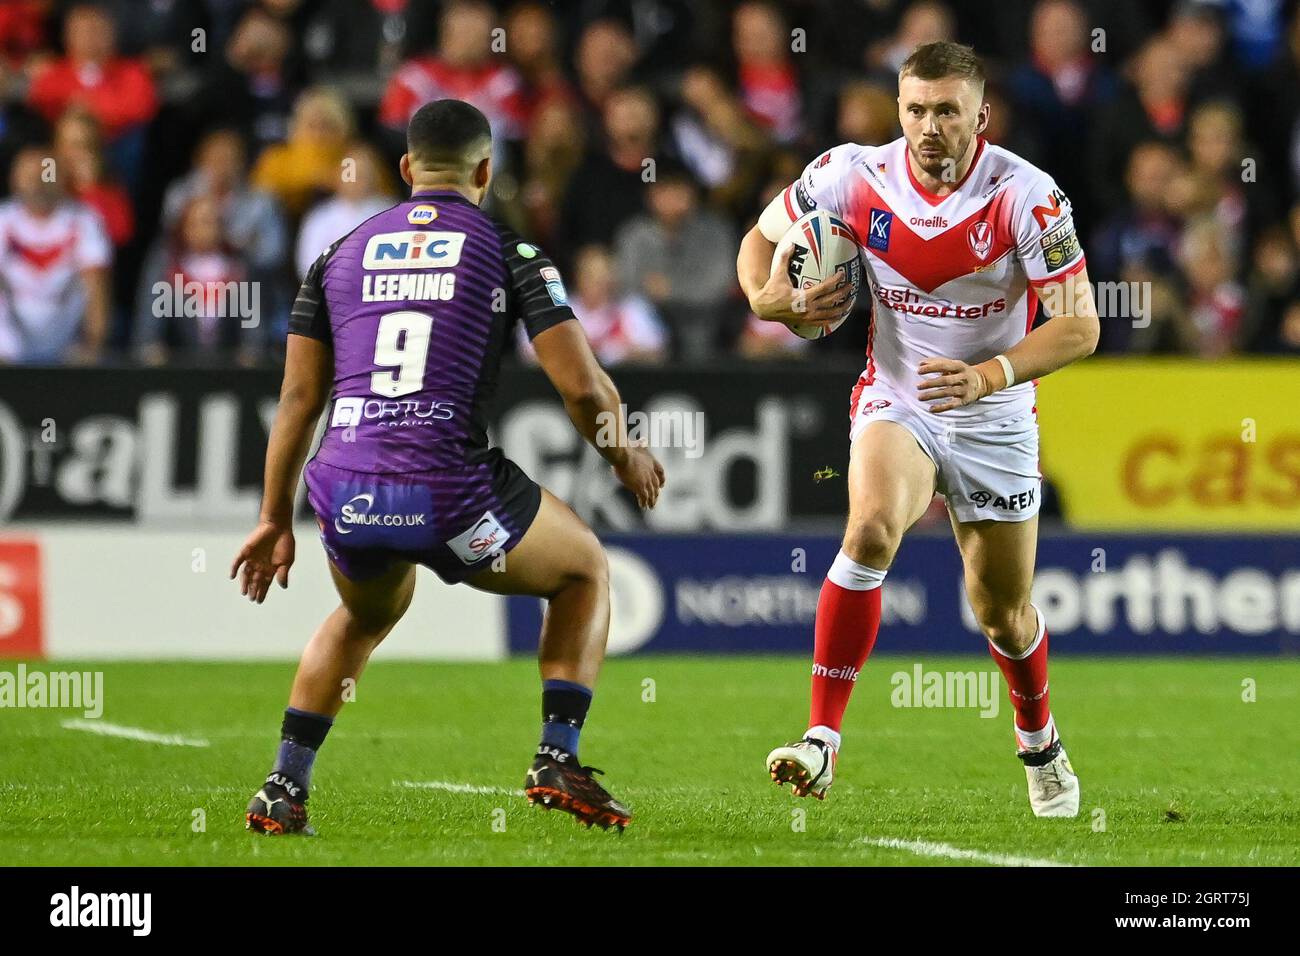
column 950, row 276
column 42, row 297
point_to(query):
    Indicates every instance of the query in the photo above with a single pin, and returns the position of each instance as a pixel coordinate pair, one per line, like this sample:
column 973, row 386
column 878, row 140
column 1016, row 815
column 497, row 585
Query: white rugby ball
column 824, row 245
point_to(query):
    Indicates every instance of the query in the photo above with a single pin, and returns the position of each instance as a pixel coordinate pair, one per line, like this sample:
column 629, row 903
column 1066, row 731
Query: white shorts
column 986, row 471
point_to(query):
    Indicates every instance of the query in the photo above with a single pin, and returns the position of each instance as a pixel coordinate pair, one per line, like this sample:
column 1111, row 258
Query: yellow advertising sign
column 1174, row 444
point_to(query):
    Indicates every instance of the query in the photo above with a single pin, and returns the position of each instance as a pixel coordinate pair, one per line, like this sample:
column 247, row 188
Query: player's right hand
column 642, row 475
column 267, row 555
column 779, row 301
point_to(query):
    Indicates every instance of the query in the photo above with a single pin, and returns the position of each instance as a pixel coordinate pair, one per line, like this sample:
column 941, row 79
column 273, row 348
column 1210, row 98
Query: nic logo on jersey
column 882, row 221
column 413, row 250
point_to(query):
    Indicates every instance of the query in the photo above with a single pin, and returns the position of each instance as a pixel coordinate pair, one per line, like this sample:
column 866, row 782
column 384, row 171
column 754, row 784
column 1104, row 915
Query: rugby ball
column 824, row 245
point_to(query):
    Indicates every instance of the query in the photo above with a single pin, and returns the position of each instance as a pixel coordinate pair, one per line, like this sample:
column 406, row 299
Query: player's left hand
column 955, row 384
column 267, row 555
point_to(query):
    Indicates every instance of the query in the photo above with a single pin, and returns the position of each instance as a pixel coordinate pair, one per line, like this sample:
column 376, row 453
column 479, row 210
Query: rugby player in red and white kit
column 961, row 240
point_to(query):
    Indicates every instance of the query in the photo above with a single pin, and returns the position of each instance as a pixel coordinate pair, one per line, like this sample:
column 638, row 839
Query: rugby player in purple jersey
column 403, row 322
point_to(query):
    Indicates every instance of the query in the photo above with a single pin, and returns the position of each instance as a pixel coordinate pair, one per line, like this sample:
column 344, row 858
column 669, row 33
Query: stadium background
column 227, row 141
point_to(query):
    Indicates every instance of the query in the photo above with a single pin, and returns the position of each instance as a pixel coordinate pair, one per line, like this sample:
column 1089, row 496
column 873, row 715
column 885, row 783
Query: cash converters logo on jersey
column 909, row 302
column 389, row 413
column 356, row 513
column 415, row 249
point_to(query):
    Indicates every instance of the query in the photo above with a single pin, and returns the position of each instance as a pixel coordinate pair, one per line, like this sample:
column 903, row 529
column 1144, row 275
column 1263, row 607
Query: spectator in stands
column 117, row 91
column 867, row 114
column 1242, row 207
column 682, row 258
column 360, row 193
column 623, row 328
column 768, row 341
column 603, row 60
column 1272, row 322
column 1056, row 91
column 22, row 31
column 532, row 47
column 1216, row 301
column 922, row 22
column 252, row 222
column 364, row 36
column 254, row 84
column 608, row 187
column 1152, row 106
column 718, row 141
column 203, row 322
column 79, row 154
column 1273, row 118
column 552, row 153
column 54, row 263
column 307, row 165
column 765, row 71
column 1197, row 31
column 464, row 67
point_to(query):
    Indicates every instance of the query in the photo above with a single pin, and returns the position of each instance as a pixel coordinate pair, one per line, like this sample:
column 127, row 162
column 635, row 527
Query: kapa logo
column 881, row 222
column 413, row 250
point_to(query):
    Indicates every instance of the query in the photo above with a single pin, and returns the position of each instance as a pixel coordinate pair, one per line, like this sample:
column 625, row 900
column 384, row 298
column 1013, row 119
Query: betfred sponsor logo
column 909, row 302
column 485, row 537
column 415, row 249
column 845, row 672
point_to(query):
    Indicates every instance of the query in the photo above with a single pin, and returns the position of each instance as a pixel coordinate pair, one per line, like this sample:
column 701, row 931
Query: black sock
column 564, row 709
column 301, row 735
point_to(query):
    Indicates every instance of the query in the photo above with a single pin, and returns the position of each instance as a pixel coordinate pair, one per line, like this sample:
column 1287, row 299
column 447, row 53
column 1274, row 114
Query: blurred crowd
column 158, row 153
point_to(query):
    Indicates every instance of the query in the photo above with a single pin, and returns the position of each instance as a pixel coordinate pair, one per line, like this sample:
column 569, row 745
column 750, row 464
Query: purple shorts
column 452, row 521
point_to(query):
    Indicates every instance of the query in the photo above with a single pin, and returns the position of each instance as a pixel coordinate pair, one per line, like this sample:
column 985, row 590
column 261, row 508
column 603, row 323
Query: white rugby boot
column 808, row 765
column 1053, row 784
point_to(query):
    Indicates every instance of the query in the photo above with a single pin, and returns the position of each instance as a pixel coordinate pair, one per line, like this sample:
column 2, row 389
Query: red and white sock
column 848, row 617
column 1026, row 677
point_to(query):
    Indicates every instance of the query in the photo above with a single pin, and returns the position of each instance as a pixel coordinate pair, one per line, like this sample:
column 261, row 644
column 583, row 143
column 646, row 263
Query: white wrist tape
column 1007, row 370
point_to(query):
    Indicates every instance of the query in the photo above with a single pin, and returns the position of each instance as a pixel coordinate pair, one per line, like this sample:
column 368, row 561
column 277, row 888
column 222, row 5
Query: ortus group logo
column 350, row 412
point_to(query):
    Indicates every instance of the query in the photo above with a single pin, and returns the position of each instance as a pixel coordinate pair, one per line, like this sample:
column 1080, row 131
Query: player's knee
column 872, row 539
column 373, row 620
column 586, row 564
column 593, row 564
column 1004, row 625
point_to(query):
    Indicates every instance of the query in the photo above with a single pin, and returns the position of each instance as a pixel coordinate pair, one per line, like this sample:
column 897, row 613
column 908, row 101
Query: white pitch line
column 948, row 852
column 133, row 733
column 457, row 787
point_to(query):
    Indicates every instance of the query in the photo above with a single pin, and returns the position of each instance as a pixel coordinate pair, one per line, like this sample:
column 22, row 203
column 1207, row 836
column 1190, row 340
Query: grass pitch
column 425, row 768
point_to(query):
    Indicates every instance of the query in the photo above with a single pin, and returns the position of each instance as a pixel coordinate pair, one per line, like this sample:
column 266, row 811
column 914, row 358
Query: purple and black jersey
column 418, row 303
